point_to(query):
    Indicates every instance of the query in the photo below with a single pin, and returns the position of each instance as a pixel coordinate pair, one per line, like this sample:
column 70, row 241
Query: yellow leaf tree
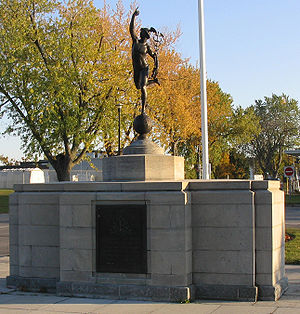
column 62, row 69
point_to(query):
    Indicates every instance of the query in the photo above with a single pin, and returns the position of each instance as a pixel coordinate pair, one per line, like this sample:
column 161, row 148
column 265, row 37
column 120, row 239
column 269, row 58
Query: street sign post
column 289, row 171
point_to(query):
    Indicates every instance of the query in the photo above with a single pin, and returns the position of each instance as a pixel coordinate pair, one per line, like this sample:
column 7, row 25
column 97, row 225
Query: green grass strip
column 4, row 195
column 292, row 199
column 292, row 247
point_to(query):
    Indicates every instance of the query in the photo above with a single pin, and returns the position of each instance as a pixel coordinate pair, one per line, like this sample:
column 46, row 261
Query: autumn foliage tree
column 171, row 106
column 7, row 161
column 175, row 107
column 219, row 113
column 62, row 67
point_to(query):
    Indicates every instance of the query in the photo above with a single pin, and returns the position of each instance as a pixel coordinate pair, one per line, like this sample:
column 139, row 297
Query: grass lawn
column 4, row 200
column 292, row 247
column 292, row 199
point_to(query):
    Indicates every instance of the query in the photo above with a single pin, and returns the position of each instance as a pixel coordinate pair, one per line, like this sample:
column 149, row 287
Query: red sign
column 289, row 171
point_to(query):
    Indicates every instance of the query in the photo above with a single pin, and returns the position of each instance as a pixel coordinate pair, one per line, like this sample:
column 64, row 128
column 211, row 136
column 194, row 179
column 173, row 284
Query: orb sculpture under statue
column 140, row 49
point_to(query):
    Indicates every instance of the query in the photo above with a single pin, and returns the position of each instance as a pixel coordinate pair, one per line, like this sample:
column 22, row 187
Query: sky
column 252, row 46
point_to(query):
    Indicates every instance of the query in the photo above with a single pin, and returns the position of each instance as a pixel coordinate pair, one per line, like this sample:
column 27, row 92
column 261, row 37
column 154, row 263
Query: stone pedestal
column 143, row 167
column 143, row 146
column 215, row 239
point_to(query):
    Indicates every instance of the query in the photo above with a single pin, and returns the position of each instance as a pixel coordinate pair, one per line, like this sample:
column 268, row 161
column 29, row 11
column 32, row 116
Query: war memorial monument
column 146, row 233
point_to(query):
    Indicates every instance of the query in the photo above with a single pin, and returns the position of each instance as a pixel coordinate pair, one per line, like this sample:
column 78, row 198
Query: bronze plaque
column 121, row 238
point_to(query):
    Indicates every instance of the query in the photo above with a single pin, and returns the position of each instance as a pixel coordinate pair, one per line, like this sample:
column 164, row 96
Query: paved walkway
column 25, row 302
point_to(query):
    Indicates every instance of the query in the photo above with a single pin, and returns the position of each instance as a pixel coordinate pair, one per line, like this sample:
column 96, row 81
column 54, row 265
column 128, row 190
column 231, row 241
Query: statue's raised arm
column 132, row 26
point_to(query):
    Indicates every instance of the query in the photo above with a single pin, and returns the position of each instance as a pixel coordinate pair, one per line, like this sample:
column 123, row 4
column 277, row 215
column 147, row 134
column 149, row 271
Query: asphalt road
column 292, row 219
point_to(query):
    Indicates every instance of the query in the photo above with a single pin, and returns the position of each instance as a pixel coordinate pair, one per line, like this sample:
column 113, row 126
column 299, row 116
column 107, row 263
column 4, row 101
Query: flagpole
column 204, row 129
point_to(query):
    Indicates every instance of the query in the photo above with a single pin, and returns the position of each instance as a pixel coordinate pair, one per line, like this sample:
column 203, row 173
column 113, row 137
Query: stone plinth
column 143, row 168
column 143, row 146
column 215, row 239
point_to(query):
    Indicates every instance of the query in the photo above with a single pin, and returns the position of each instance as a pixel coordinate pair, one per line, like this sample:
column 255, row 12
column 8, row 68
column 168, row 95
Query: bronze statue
column 142, row 123
column 140, row 49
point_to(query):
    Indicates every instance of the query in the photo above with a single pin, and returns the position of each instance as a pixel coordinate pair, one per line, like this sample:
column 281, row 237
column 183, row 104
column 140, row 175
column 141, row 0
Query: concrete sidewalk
column 25, row 302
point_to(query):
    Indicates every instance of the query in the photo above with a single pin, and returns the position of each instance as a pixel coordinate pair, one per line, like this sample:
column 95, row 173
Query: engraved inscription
column 121, row 245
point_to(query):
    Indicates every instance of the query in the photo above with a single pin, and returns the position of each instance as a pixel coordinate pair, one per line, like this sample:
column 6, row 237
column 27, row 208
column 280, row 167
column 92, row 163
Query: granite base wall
column 219, row 239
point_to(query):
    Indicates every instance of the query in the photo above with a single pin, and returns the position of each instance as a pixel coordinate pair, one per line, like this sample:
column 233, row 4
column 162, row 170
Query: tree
column 8, row 161
column 242, row 126
column 233, row 165
column 171, row 105
column 219, row 113
column 228, row 129
column 60, row 74
column 279, row 120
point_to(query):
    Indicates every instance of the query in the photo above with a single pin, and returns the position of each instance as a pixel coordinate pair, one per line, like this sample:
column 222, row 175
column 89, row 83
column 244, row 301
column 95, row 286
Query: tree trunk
column 63, row 174
column 172, row 148
column 108, row 148
column 63, row 165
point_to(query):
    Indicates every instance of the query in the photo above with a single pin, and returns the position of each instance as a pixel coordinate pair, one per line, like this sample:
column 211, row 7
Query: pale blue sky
column 252, row 46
